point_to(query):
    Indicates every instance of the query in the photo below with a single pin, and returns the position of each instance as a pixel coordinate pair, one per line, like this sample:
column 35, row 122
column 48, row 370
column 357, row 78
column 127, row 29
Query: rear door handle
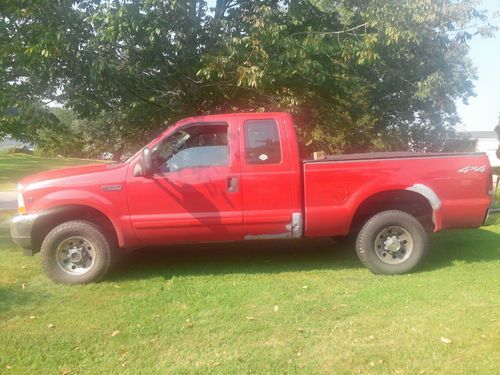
column 232, row 184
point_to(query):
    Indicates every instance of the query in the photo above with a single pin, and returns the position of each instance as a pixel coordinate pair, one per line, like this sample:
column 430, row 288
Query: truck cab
column 218, row 178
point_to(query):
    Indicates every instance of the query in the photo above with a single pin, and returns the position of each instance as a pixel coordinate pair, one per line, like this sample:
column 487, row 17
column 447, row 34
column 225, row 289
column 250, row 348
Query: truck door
column 266, row 181
column 194, row 194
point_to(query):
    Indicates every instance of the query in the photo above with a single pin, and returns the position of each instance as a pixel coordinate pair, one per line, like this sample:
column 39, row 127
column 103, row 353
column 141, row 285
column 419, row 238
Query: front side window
column 193, row 146
column 262, row 142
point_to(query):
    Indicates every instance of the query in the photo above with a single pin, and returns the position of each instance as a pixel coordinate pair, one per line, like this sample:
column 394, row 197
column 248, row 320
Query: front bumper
column 20, row 232
column 493, row 217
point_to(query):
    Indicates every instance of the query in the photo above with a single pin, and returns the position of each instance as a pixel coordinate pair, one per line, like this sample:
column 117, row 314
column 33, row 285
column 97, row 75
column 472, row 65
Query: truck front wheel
column 392, row 242
column 75, row 252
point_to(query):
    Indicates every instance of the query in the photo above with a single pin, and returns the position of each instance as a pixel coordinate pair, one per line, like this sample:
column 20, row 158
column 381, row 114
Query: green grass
column 13, row 167
column 305, row 307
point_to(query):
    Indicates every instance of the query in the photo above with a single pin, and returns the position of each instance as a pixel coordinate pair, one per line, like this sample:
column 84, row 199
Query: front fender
column 109, row 207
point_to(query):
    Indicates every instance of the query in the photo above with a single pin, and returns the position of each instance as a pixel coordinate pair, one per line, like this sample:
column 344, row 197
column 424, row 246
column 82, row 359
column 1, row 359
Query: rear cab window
column 262, row 142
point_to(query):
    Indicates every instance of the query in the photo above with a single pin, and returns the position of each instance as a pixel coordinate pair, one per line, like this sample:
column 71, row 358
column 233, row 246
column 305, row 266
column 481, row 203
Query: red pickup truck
column 239, row 177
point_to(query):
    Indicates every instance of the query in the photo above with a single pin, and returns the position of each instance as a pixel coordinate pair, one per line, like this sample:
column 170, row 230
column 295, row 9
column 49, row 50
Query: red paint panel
column 82, row 186
column 267, row 188
column 333, row 190
column 192, row 204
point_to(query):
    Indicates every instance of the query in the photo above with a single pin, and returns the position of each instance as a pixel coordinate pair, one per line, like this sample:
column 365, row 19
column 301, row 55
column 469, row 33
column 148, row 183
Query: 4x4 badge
column 472, row 168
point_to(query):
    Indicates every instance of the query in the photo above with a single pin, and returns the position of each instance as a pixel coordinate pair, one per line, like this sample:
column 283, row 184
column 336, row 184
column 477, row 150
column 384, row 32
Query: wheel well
column 58, row 215
column 410, row 202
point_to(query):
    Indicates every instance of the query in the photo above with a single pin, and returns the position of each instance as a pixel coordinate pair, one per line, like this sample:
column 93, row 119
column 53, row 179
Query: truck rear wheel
column 75, row 252
column 392, row 242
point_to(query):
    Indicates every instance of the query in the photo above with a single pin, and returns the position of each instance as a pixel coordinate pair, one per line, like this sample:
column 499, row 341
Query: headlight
column 21, row 209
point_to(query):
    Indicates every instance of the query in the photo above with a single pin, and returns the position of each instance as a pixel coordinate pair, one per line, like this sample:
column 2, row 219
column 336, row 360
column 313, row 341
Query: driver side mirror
column 145, row 165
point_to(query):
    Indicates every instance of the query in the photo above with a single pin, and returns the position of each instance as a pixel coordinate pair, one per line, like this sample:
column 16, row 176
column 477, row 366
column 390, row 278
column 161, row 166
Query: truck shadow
column 232, row 258
column 446, row 249
column 469, row 246
column 14, row 297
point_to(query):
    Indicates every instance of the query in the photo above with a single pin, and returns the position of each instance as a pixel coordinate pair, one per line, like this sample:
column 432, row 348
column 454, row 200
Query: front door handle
column 232, row 184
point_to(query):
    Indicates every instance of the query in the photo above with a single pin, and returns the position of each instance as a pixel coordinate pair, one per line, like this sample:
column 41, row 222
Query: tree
column 358, row 75
column 32, row 36
column 370, row 74
column 106, row 135
column 100, row 59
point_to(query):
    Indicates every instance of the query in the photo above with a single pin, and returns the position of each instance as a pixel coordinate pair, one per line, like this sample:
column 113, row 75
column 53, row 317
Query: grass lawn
column 13, row 167
column 305, row 307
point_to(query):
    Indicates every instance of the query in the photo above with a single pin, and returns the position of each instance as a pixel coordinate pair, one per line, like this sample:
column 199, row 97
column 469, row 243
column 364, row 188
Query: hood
column 67, row 172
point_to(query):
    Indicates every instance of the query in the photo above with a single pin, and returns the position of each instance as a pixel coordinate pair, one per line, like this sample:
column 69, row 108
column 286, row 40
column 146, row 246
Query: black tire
column 380, row 233
column 92, row 264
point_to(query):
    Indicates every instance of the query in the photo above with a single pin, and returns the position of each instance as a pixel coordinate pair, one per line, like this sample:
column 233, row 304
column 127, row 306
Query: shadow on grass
column 245, row 257
column 475, row 245
column 14, row 297
column 470, row 246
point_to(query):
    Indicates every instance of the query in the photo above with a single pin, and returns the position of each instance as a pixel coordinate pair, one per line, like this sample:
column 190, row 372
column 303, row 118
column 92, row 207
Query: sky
column 483, row 110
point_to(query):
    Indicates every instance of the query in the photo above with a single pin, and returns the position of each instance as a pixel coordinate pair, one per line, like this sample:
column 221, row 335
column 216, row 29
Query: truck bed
column 454, row 182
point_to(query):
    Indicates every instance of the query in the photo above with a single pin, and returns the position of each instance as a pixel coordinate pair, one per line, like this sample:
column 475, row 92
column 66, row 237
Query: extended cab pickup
column 239, row 177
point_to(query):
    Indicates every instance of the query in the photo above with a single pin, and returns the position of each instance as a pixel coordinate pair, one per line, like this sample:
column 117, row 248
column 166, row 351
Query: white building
column 487, row 141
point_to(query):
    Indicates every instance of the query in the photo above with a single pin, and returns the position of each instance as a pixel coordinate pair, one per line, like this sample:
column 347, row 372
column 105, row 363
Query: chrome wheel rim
column 393, row 245
column 75, row 255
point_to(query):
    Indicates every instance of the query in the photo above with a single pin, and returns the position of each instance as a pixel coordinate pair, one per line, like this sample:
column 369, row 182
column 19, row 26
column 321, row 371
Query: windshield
column 170, row 145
